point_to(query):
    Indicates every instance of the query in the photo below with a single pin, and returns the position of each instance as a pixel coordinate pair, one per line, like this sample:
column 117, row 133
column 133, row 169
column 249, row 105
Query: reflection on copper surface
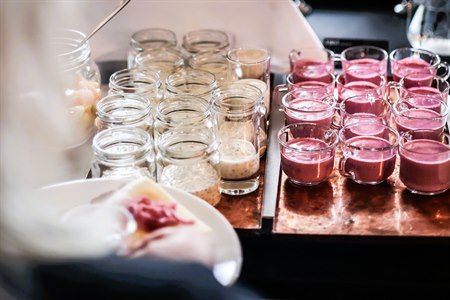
column 244, row 211
column 341, row 206
column 303, row 207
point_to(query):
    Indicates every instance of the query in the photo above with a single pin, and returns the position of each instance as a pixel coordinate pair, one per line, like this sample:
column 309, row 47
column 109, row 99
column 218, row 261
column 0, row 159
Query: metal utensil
column 119, row 7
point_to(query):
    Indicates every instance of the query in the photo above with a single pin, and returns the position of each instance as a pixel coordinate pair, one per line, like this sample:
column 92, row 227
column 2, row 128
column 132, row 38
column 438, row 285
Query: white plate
column 226, row 245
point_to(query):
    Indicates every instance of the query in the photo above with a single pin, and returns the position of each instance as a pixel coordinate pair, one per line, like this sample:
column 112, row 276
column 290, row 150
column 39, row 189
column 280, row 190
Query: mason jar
column 183, row 111
column 213, row 62
column 236, row 110
column 191, row 82
column 148, row 39
column 132, row 81
column 82, row 78
column 124, row 110
column 123, row 152
column 205, row 40
column 189, row 160
column 165, row 61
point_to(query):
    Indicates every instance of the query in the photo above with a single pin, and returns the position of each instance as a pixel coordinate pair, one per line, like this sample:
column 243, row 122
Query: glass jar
column 213, row 62
column 235, row 109
column 148, row 39
column 165, row 61
column 124, row 110
column 183, row 111
column 123, row 152
column 132, row 81
column 82, row 78
column 189, row 160
column 191, row 82
column 205, row 40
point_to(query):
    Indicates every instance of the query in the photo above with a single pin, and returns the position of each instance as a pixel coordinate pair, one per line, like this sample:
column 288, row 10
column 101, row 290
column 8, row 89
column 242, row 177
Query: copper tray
column 341, row 206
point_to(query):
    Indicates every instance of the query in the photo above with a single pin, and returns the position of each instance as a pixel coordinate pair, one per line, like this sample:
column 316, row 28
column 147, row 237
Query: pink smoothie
column 425, row 166
column 364, row 69
column 370, row 166
column 312, row 89
column 309, row 111
column 412, row 65
column 422, row 100
column 304, row 166
column 310, row 70
column 374, row 106
column 368, row 125
column 358, row 88
column 420, row 119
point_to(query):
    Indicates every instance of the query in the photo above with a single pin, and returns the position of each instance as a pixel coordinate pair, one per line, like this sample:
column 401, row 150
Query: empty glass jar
column 185, row 112
column 205, row 40
column 128, row 110
column 123, row 152
column 82, row 78
column 148, row 39
column 191, row 82
column 132, row 81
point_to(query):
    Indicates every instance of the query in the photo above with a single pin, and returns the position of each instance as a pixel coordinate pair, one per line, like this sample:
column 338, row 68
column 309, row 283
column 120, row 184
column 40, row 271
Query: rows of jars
column 192, row 117
column 373, row 122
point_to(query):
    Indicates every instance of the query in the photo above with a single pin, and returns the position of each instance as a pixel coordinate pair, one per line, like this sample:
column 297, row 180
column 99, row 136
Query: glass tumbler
column 236, row 111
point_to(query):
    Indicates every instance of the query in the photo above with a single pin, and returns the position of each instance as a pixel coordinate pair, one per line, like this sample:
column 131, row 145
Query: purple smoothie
column 304, row 163
column 425, row 166
column 309, row 111
column 420, row 118
column 369, row 166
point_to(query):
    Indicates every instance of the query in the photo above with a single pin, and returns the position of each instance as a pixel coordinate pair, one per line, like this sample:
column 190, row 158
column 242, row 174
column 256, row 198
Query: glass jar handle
column 336, row 57
column 342, row 171
column 446, row 68
column 278, row 92
column 393, row 89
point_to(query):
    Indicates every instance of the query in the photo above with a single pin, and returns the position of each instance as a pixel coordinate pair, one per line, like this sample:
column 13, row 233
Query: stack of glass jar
column 180, row 116
column 375, row 118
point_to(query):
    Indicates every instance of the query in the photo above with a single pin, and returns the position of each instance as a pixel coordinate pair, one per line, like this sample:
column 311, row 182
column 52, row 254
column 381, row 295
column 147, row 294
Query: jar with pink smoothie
column 408, row 118
column 367, row 159
column 425, row 163
column 311, row 64
column 307, row 152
